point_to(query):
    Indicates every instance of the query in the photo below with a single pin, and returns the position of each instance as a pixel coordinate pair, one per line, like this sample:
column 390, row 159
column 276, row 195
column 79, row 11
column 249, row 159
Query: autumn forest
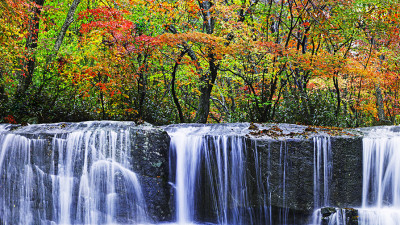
column 316, row 62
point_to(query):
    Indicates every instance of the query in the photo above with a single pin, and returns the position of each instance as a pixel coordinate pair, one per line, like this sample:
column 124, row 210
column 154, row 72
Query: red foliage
column 122, row 33
column 10, row 119
column 106, row 18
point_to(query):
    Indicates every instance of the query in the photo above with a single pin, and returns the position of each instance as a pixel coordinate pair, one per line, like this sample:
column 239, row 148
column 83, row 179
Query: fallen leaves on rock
column 276, row 132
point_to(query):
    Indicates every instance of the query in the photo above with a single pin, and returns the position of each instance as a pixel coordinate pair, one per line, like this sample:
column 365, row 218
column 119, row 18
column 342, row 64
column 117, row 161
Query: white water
column 222, row 159
column 88, row 181
column 90, row 167
column 322, row 179
column 381, row 178
column 381, row 182
column 213, row 169
column 337, row 218
column 322, row 171
column 187, row 166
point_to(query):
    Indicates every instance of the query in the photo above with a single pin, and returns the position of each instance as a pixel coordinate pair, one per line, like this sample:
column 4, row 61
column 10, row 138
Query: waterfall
column 323, row 177
column 322, row 165
column 380, row 184
column 381, row 178
column 15, row 196
column 222, row 160
column 219, row 177
column 80, row 177
column 114, row 173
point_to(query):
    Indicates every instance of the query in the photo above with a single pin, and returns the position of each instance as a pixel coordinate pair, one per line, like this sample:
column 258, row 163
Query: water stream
column 217, row 176
column 86, row 179
column 210, row 177
column 381, row 181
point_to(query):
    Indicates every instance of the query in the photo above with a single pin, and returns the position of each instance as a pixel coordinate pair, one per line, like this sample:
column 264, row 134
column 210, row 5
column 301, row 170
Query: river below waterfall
column 119, row 173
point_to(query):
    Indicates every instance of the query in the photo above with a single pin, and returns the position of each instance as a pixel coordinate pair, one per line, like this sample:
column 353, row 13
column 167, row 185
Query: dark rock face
column 150, row 155
column 346, row 187
column 287, row 169
column 148, row 159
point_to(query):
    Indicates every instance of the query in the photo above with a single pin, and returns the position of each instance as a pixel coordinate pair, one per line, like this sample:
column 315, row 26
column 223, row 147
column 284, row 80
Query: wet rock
column 288, row 169
column 338, row 216
column 253, row 127
column 327, row 211
column 351, row 216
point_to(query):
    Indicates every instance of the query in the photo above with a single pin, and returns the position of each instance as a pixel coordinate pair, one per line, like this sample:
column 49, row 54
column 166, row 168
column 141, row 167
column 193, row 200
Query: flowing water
column 381, row 178
column 381, row 182
column 217, row 162
column 218, row 176
column 87, row 179
column 322, row 170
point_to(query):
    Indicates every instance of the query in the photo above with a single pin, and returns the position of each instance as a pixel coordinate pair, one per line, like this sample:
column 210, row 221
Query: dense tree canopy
column 329, row 63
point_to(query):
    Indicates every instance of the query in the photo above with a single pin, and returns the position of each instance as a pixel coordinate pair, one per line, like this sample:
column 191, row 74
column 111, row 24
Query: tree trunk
column 50, row 58
column 379, row 103
column 31, row 45
column 207, row 81
column 203, row 109
column 176, row 101
column 142, row 85
column 2, row 91
column 338, row 99
column 68, row 21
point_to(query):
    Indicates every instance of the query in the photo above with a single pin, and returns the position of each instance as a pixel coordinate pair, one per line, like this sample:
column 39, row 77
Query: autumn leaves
column 315, row 62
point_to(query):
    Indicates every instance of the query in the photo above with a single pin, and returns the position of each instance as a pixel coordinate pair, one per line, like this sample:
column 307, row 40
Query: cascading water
column 381, row 178
column 219, row 174
column 86, row 178
column 322, row 177
column 219, row 178
column 222, row 160
column 380, row 185
column 322, row 165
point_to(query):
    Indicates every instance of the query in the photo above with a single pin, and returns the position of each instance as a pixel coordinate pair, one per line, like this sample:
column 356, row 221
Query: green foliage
column 302, row 61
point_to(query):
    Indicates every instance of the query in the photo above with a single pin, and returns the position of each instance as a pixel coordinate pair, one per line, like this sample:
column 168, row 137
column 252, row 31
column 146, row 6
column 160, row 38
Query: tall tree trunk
column 207, row 81
column 68, row 21
column 142, row 93
column 2, row 91
column 50, row 58
column 379, row 103
column 31, row 45
column 176, row 101
column 1, row 84
column 142, row 84
column 338, row 99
